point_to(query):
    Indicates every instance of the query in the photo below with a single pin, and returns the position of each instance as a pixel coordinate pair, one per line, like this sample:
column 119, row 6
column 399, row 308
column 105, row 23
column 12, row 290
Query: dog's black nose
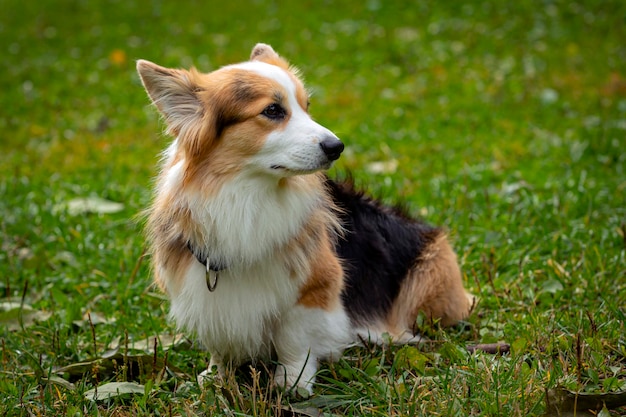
column 332, row 147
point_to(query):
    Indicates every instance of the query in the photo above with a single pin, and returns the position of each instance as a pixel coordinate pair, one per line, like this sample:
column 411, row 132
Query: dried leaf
column 118, row 57
column 15, row 315
column 292, row 411
column 92, row 318
column 165, row 341
column 493, row 348
column 552, row 286
column 114, row 389
column 563, row 400
column 383, row 167
column 57, row 380
column 548, row 96
column 97, row 205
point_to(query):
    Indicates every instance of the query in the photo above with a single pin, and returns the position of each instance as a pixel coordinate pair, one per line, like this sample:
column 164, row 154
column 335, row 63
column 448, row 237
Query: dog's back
column 395, row 267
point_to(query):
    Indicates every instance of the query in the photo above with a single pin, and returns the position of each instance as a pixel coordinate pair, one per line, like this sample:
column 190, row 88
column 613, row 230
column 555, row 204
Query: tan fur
column 325, row 282
column 166, row 226
column 435, row 288
column 219, row 153
column 312, row 250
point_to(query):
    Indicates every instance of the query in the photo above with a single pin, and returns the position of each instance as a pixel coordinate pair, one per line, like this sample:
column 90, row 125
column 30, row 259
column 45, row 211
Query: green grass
column 506, row 122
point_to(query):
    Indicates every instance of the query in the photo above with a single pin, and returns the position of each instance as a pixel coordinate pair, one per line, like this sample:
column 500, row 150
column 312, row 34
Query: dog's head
column 251, row 116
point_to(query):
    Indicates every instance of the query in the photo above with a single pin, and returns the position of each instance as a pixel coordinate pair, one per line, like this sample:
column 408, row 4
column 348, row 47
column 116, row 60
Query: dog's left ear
column 265, row 53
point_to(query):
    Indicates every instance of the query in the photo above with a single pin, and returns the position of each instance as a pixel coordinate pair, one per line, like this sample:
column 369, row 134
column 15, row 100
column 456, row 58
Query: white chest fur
column 245, row 228
column 252, row 217
column 249, row 217
column 237, row 320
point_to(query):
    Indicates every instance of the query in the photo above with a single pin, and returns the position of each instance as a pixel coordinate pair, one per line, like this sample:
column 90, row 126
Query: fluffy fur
column 303, row 266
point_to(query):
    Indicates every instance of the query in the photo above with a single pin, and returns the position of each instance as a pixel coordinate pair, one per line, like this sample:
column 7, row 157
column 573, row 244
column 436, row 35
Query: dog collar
column 211, row 268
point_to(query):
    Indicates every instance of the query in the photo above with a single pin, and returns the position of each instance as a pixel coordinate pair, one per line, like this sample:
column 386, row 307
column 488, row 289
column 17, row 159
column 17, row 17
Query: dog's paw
column 215, row 370
column 208, row 376
column 292, row 385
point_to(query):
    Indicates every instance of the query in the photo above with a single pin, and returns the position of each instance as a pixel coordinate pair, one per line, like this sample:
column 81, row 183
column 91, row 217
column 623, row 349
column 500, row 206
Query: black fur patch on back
column 379, row 247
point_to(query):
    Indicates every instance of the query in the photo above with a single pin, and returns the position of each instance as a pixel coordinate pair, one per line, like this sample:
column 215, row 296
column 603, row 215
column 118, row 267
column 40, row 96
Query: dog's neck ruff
column 210, row 267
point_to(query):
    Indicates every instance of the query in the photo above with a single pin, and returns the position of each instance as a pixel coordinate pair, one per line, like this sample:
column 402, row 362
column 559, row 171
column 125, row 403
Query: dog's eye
column 274, row 111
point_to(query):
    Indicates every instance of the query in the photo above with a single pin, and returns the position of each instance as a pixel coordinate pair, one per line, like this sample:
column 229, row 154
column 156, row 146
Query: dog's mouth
column 300, row 171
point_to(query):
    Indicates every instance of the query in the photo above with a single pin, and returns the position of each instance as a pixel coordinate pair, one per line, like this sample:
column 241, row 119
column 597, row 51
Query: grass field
column 503, row 121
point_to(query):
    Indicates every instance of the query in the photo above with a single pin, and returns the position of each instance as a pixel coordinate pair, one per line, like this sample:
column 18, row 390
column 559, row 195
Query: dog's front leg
column 302, row 338
column 216, row 367
column 299, row 370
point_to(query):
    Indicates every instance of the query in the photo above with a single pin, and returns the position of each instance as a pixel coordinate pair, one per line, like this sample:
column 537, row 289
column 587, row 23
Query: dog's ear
column 265, row 53
column 175, row 93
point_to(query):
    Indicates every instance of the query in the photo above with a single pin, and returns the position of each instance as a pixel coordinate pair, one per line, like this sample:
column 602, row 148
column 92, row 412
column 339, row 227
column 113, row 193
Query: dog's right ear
column 265, row 53
column 174, row 92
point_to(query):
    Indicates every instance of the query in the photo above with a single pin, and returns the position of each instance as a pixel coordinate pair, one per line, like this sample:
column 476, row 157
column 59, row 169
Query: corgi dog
column 261, row 254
